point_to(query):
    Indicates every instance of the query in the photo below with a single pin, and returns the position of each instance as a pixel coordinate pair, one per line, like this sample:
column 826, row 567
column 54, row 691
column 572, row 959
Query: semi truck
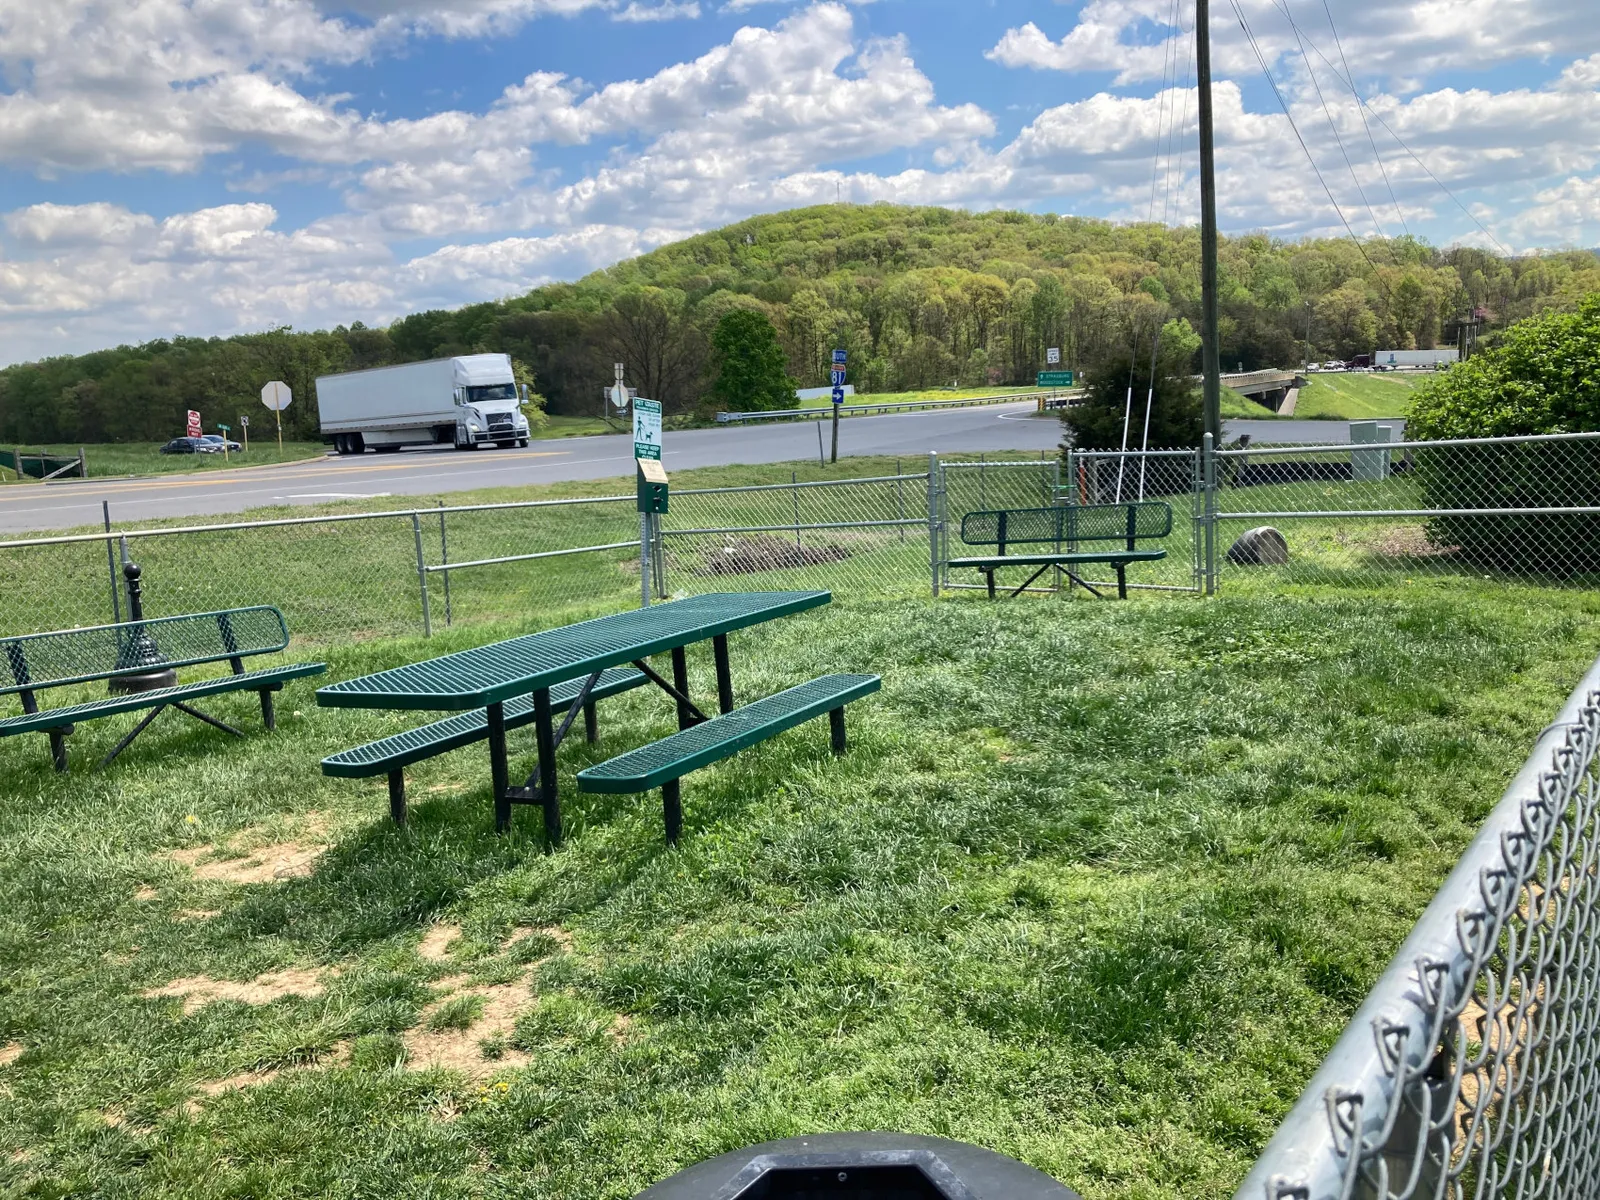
column 1394, row 360
column 466, row 401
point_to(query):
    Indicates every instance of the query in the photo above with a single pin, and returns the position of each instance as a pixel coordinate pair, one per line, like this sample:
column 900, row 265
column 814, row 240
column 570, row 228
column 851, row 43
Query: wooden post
column 1211, row 343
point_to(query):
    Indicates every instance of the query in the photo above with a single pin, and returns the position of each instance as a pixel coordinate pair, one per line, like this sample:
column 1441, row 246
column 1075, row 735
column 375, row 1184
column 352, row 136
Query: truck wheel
column 341, row 444
column 523, row 443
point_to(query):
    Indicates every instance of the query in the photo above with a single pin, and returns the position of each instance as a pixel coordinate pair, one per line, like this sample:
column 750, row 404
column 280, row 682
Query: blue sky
column 214, row 166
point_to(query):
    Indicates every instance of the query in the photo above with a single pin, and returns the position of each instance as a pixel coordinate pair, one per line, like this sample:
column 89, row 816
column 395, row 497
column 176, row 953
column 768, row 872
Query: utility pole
column 1211, row 342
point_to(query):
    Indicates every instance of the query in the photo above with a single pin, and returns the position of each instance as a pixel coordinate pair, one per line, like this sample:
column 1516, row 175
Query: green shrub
column 1543, row 379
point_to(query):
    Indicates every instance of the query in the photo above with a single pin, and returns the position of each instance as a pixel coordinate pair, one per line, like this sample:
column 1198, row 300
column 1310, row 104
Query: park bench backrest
column 1068, row 524
column 44, row 660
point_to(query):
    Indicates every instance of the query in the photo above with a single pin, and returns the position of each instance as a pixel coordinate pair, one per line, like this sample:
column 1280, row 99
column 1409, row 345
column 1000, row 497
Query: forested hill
column 919, row 297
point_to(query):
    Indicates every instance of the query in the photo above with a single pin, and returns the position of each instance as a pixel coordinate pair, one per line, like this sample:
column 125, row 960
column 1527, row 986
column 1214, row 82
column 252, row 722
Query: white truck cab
column 466, row 401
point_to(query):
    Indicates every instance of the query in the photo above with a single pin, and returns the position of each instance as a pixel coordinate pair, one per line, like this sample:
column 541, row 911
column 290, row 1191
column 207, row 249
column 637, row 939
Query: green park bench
column 662, row 764
column 135, row 655
column 1065, row 527
column 392, row 755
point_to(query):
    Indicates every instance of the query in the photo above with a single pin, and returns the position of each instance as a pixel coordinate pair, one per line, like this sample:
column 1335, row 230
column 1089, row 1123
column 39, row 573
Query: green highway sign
column 1057, row 378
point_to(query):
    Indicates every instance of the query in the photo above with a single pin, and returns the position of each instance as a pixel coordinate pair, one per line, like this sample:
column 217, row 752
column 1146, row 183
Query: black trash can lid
column 860, row 1166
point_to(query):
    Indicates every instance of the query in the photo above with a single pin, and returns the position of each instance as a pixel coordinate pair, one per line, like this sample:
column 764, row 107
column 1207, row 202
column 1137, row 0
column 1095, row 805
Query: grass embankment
column 145, row 458
column 1358, row 396
column 1097, row 885
column 927, row 395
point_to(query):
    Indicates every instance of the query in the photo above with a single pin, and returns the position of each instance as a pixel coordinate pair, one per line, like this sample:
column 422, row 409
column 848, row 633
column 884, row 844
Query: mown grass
column 1096, row 886
column 145, row 458
column 1357, row 396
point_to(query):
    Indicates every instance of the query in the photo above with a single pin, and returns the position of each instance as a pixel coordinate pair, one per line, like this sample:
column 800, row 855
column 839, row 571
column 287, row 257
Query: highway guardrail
column 858, row 410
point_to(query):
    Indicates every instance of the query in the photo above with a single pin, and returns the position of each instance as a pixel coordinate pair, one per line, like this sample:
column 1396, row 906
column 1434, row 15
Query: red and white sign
column 194, row 423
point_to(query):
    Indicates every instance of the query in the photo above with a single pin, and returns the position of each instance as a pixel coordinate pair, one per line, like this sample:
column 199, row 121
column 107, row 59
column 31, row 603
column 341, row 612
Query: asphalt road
column 25, row 509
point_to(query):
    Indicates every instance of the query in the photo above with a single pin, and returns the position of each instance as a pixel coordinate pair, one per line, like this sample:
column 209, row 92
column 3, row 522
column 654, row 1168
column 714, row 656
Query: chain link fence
column 1473, row 1068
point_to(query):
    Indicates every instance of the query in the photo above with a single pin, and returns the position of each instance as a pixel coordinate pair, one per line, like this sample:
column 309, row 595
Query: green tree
column 750, row 365
column 1176, row 416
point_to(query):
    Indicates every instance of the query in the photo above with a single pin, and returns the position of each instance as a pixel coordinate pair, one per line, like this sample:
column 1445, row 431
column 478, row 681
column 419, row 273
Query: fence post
column 933, row 521
column 422, row 575
column 644, row 560
column 1209, row 480
column 111, row 564
column 444, row 560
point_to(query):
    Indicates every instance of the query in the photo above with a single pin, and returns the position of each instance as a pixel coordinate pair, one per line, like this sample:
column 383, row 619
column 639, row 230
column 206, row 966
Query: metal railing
column 1473, row 1067
column 859, row 410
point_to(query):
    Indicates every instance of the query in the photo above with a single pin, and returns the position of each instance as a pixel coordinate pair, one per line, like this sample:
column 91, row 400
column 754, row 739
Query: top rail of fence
column 1344, row 1123
column 1345, row 447
column 326, row 519
column 789, row 487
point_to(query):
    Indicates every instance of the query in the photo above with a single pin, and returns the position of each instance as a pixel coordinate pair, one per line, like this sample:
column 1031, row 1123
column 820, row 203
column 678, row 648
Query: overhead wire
column 1365, row 124
column 1333, row 126
column 1283, row 103
column 1401, row 142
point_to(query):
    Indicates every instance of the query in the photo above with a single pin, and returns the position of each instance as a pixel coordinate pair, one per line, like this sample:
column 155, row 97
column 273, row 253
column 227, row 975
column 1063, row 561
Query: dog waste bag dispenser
column 652, row 487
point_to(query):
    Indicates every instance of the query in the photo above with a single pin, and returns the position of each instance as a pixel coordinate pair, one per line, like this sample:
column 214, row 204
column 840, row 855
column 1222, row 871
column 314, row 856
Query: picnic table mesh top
column 494, row 674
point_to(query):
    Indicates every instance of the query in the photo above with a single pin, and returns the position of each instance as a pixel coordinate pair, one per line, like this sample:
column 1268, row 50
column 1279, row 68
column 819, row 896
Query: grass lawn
column 1357, row 396
column 1096, row 886
column 145, row 458
column 567, row 427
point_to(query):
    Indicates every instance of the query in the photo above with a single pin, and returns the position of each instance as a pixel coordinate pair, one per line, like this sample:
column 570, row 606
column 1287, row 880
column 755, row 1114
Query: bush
column 1176, row 417
column 1544, row 378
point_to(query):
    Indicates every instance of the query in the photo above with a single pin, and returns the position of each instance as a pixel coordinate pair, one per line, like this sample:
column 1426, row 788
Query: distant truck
column 1389, row 360
column 464, row 401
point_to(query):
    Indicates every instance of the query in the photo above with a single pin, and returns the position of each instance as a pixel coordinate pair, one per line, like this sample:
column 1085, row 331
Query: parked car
column 191, row 445
column 218, row 441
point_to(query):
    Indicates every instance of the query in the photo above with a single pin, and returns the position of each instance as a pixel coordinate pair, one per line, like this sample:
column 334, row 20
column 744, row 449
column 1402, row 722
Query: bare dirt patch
column 196, row 914
column 283, row 860
column 435, row 944
column 1410, row 541
column 146, row 894
column 754, row 555
column 460, row 1049
column 555, row 933
column 621, row 1028
column 197, row 991
column 10, row 1052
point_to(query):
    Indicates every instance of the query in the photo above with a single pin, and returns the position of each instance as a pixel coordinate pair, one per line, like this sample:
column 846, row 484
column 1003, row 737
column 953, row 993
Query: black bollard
column 136, row 649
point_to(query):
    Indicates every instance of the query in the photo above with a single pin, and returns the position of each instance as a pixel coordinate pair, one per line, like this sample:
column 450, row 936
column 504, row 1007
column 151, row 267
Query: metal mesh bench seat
column 391, row 755
column 662, row 764
column 140, row 660
column 1065, row 527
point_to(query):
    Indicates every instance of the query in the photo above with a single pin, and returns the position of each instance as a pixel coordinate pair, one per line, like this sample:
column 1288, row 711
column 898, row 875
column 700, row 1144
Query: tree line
column 919, row 297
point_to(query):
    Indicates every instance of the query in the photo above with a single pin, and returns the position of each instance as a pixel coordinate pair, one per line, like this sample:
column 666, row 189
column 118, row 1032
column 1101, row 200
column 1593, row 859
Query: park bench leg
column 1122, row 581
column 547, row 767
column 268, row 717
column 397, row 797
column 990, row 576
column 1085, row 585
column 209, row 720
column 591, row 723
column 836, row 730
column 121, row 746
column 672, row 809
column 1031, row 579
column 719, row 649
column 499, row 773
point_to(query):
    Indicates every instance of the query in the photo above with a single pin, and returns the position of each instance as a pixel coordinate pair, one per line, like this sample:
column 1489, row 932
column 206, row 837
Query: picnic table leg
column 58, row 749
column 397, row 797
column 591, row 723
column 680, row 680
column 547, row 766
column 499, row 773
column 719, row 648
column 836, row 729
column 672, row 810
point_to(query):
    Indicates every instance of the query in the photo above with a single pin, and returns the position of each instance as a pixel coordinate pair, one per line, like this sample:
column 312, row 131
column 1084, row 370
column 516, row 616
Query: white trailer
column 1391, row 360
column 464, row 401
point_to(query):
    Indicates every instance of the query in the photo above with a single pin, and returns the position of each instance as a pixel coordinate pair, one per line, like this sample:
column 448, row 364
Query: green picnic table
column 493, row 677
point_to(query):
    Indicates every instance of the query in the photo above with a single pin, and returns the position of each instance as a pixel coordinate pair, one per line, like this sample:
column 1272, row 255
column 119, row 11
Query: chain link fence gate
column 1473, row 1067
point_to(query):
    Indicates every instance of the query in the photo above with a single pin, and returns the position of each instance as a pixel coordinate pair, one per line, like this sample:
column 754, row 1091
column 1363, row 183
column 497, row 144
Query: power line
column 1378, row 116
column 1365, row 124
column 1283, row 6
column 1289, row 116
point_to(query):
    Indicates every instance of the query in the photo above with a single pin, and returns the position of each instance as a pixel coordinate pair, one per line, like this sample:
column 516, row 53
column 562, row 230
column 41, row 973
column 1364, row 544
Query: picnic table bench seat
column 40, row 661
column 1066, row 527
column 662, row 764
column 391, row 755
